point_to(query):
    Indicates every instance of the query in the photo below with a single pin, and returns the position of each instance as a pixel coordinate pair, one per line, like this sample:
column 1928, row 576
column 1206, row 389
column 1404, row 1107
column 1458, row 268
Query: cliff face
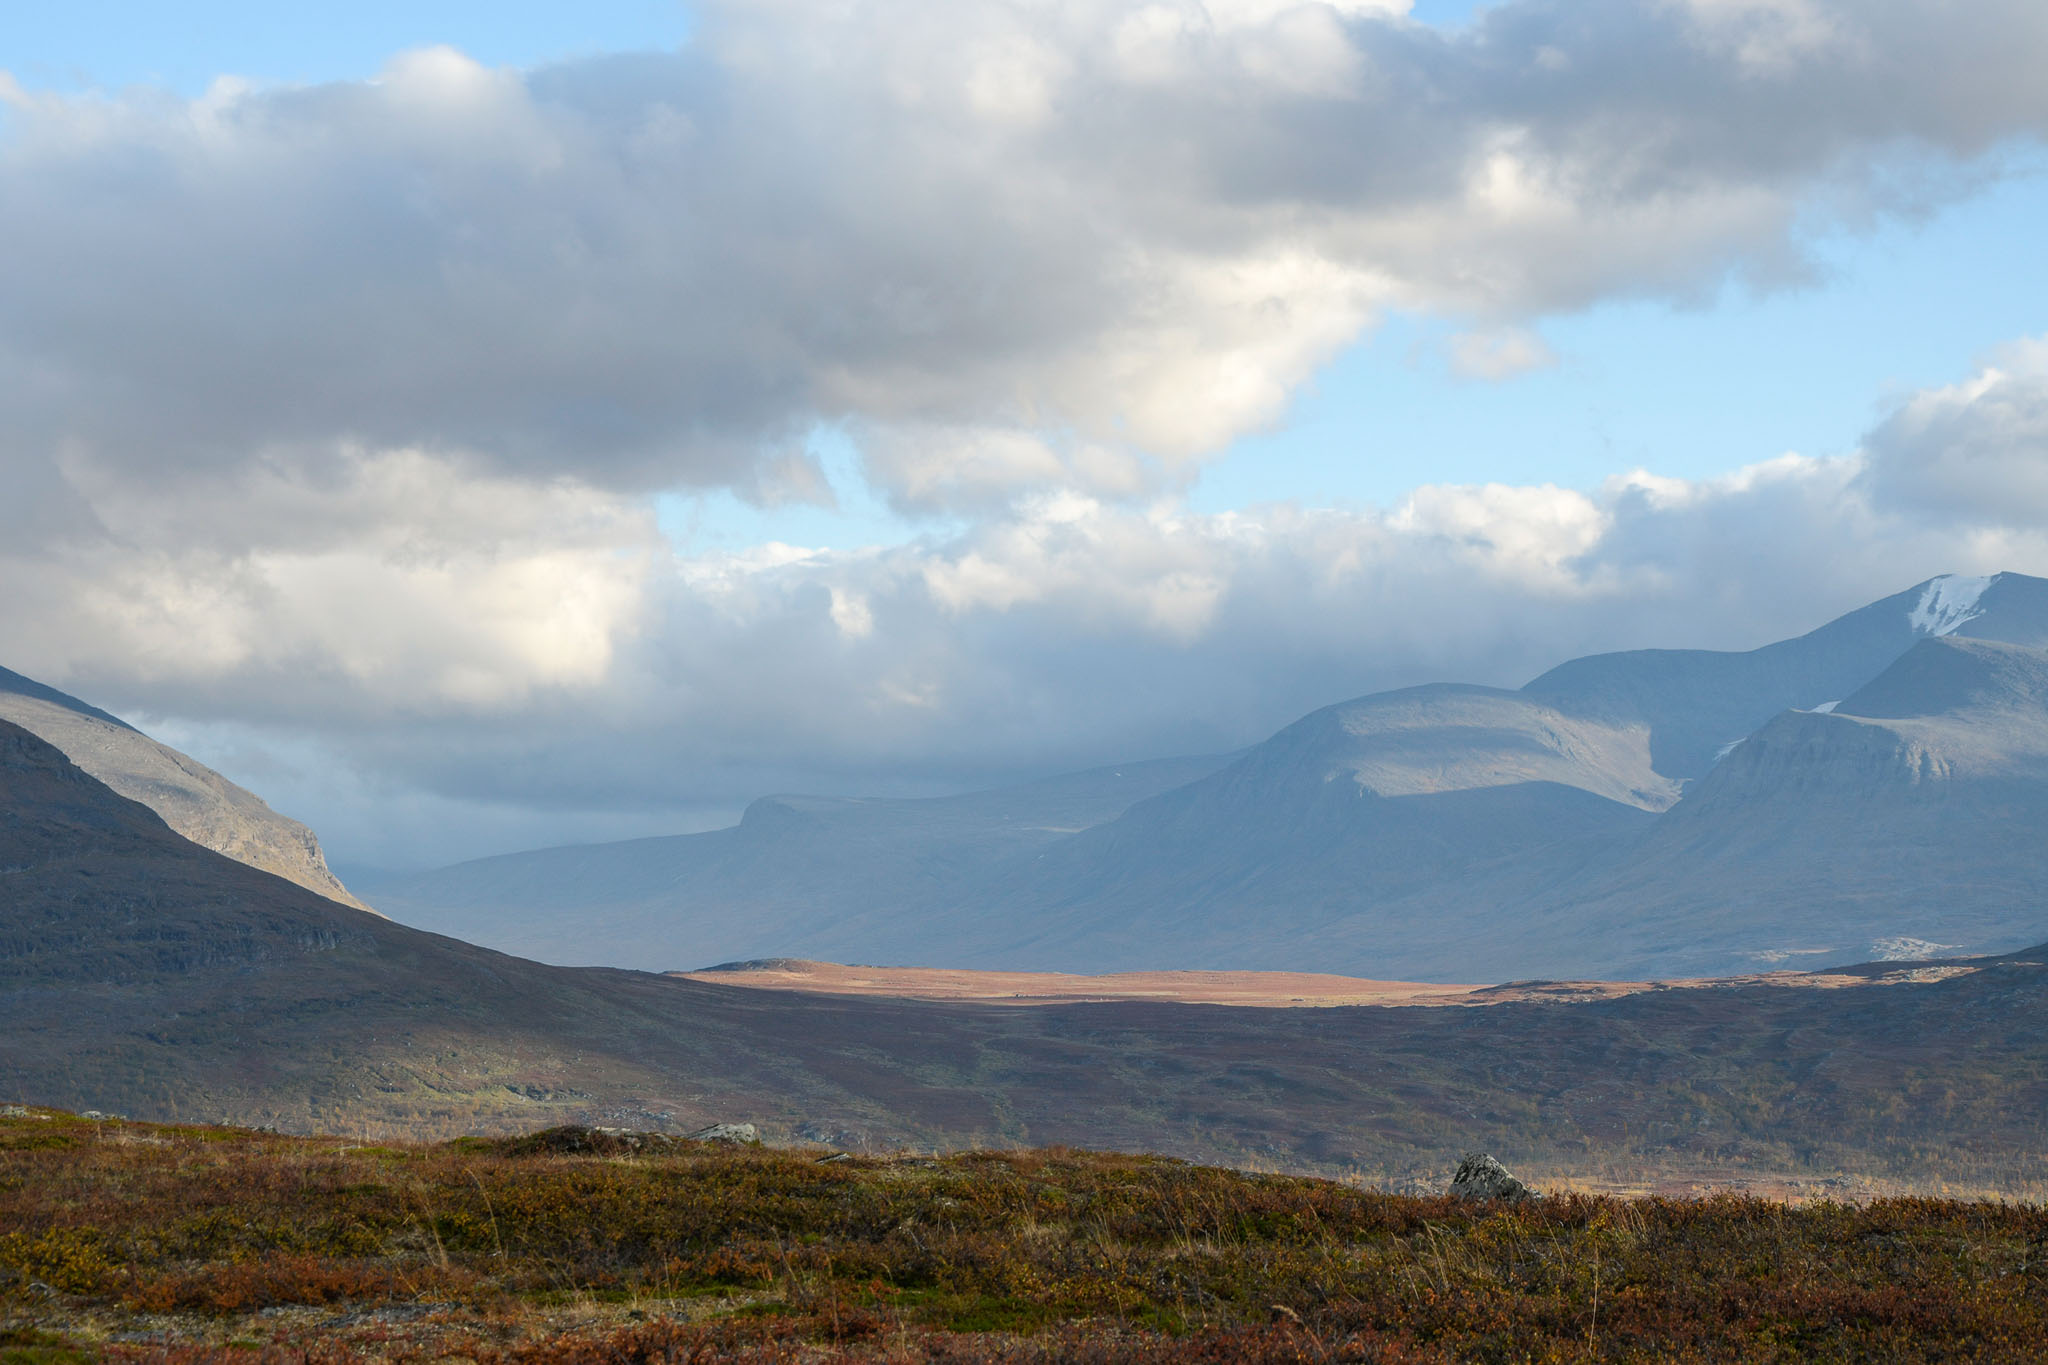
column 192, row 799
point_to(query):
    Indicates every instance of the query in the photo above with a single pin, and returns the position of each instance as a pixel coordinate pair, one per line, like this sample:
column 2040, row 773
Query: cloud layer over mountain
column 502, row 643
column 338, row 409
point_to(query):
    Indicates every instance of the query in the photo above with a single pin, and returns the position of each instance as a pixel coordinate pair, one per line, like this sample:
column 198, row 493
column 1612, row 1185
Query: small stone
column 1479, row 1176
column 13, row 1111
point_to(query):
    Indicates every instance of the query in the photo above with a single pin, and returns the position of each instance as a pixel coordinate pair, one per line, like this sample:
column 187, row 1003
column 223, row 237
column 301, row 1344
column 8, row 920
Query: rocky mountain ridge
column 193, row 799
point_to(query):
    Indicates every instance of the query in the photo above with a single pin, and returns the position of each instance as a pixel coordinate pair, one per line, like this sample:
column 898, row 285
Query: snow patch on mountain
column 1949, row 601
column 1900, row 948
column 1826, row 708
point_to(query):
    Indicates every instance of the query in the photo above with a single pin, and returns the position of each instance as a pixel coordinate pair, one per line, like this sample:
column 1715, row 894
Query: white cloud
column 1770, row 37
column 394, row 581
column 1976, row 451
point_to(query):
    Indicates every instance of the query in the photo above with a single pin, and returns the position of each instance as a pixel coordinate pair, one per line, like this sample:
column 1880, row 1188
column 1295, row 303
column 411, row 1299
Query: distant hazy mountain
column 793, row 863
column 1444, row 832
column 193, row 799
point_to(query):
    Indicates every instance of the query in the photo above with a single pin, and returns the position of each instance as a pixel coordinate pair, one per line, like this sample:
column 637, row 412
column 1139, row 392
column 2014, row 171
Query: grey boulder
column 1479, row 1176
column 727, row 1132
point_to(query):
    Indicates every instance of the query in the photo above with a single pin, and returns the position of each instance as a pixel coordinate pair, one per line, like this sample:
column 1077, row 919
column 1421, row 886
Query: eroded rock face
column 1479, row 1176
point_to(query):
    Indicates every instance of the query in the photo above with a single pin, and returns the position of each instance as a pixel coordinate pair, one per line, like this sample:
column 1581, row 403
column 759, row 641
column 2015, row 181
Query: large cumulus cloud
column 1109, row 235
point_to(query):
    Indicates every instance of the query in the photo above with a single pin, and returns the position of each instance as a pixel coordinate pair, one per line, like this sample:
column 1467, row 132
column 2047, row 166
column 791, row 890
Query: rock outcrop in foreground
column 1479, row 1176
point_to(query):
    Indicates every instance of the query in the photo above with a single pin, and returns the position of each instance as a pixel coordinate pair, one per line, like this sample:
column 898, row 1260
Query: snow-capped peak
column 1949, row 601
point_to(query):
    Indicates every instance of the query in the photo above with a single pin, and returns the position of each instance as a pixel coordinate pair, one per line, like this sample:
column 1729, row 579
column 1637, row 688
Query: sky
column 475, row 427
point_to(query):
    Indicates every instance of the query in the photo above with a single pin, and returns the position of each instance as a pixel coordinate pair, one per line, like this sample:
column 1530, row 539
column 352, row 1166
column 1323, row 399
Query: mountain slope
column 193, row 799
column 1450, row 833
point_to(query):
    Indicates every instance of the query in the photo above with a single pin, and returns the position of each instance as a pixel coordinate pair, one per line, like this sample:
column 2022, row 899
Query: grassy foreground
column 133, row 1241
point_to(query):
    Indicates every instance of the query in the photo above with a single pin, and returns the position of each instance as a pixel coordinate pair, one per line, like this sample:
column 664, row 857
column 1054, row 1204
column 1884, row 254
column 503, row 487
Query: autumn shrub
column 288, row 1278
column 72, row 1259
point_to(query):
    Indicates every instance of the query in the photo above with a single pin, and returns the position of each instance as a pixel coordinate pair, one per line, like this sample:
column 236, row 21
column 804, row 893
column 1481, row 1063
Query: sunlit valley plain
column 1220, row 680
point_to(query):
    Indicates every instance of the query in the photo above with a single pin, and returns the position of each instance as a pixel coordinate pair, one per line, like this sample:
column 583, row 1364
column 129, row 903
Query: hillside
column 193, row 799
column 142, row 974
column 1906, row 821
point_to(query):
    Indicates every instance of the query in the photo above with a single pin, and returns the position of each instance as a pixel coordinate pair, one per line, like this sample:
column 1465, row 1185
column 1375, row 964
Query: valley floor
column 1271, row 990
column 132, row 1241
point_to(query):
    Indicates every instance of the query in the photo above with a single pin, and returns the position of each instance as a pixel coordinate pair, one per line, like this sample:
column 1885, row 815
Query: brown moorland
column 128, row 1241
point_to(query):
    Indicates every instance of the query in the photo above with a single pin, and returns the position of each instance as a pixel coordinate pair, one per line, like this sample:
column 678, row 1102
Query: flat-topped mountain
column 1359, row 803
column 193, row 799
column 1647, row 813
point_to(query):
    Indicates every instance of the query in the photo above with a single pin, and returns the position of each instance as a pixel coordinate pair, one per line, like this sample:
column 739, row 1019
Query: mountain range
column 1874, row 788
column 144, row 974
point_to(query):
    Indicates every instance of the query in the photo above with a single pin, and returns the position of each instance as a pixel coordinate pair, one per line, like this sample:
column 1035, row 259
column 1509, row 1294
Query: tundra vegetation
column 133, row 1241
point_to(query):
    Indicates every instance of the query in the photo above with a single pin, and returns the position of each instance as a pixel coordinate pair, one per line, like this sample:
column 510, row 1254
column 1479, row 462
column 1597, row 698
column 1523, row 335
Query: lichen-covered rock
column 727, row 1132
column 1479, row 1176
